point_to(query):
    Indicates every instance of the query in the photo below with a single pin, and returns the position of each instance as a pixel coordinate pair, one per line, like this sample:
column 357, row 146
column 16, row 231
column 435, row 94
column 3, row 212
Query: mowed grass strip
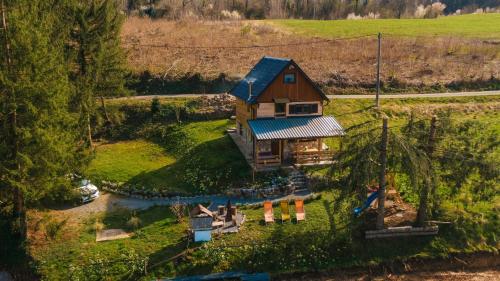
column 473, row 26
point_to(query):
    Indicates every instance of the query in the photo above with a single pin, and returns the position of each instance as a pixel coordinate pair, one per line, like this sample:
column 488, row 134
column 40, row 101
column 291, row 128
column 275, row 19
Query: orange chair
column 268, row 212
column 300, row 213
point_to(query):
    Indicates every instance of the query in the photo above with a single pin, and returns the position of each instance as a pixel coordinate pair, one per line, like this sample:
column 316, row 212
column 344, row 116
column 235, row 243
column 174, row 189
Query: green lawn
column 159, row 236
column 473, row 26
column 198, row 157
column 330, row 237
column 186, row 161
column 121, row 161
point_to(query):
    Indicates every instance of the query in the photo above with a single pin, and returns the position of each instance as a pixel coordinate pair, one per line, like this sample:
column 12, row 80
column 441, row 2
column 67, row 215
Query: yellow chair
column 285, row 211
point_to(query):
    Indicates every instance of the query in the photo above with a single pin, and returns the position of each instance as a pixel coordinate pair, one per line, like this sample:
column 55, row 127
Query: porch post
column 297, row 151
column 281, row 162
column 256, row 156
column 319, row 149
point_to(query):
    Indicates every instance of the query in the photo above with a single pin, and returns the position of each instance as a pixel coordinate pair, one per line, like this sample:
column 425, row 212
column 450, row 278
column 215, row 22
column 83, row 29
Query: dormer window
column 289, row 78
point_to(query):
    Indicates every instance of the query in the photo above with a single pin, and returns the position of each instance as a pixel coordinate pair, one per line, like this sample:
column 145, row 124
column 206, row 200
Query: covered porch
column 292, row 141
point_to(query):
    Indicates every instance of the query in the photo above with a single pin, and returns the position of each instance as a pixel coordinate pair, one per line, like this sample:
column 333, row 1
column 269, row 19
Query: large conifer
column 99, row 61
column 37, row 139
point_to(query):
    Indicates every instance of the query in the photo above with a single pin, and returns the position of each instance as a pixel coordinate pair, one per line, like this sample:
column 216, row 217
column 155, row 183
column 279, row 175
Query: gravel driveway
column 109, row 202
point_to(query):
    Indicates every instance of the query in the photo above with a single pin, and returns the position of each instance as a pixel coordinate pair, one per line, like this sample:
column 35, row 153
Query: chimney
column 250, row 83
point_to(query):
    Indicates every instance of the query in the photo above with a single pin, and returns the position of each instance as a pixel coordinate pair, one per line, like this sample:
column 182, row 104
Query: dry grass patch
column 412, row 61
column 430, row 109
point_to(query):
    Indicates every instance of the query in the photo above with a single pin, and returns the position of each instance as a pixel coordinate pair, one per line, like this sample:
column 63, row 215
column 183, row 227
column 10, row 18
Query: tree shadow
column 209, row 167
column 14, row 257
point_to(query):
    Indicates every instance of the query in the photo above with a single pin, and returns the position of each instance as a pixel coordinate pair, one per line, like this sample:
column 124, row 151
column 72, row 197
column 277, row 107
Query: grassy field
column 473, row 26
column 185, row 160
column 183, row 163
column 121, row 161
column 330, row 237
column 418, row 55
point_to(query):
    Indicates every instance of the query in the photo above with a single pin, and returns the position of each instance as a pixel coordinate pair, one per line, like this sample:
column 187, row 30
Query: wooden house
column 279, row 116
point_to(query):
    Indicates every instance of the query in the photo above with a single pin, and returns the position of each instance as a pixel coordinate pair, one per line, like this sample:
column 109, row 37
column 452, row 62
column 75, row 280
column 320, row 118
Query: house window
column 289, row 78
column 306, row 108
column 279, row 109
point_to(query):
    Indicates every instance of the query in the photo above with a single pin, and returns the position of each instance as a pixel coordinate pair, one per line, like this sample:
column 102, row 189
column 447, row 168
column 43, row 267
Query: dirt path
column 385, row 96
column 109, row 202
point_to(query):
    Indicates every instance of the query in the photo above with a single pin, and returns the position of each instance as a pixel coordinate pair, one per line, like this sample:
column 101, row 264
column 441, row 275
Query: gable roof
column 262, row 75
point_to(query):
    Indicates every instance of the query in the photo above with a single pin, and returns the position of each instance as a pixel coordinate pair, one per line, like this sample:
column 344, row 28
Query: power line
column 322, row 41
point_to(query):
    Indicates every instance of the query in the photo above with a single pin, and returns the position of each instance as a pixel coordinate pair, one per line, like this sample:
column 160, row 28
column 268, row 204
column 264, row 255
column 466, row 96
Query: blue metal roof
column 261, row 75
column 295, row 127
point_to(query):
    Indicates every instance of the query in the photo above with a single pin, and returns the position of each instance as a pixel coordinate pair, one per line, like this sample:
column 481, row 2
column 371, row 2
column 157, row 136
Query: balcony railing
column 271, row 160
column 306, row 157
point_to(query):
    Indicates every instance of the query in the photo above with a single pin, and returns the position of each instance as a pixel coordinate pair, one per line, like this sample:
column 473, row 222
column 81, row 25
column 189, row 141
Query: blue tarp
column 225, row 276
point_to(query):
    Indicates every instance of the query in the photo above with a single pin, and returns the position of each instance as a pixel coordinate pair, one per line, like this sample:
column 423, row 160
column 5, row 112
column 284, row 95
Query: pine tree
column 37, row 140
column 99, row 59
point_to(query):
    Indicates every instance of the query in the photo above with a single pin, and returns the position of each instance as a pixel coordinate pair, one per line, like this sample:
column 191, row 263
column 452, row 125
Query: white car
column 88, row 191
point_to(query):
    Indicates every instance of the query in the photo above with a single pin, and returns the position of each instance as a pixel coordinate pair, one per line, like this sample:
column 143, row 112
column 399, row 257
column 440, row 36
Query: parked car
column 88, row 191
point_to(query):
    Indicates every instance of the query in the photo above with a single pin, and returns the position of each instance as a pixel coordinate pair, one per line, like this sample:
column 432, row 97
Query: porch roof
column 295, row 128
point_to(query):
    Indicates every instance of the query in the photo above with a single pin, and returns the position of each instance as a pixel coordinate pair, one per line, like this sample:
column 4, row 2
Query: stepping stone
column 111, row 234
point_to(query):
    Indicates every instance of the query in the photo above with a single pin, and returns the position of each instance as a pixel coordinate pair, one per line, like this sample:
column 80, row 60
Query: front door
column 275, row 147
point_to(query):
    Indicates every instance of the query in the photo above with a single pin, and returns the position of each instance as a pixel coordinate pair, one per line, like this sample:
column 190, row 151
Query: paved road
column 385, row 96
column 108, row 202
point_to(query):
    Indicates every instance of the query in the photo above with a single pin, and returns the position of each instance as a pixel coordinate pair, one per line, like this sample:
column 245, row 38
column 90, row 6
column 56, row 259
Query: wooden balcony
column 313, row 157
column 268, row 160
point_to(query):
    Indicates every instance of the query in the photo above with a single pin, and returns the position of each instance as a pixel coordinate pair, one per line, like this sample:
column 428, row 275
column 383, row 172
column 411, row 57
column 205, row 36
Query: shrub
column 53, row 227
column 155, row 106
column 227, row 15
column 134, row 222
column 178, row 210
column 430, row 11
column 245, row 30
column 98, row 226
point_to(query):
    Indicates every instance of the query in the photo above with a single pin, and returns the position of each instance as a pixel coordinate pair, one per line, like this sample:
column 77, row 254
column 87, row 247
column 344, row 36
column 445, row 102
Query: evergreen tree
column 99, row 60
column 37, row 140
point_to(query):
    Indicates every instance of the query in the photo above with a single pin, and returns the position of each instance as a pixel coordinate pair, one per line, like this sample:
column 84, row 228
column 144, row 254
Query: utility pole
column 377, row 102
column 381, row 177
column 428, row 186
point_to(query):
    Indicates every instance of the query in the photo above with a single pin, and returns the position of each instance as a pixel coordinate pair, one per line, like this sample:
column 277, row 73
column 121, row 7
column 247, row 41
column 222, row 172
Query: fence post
column 377, row 101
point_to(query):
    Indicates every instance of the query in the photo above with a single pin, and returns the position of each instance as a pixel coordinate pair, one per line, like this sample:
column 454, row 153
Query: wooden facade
column 278, row 92
column 300, row 91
